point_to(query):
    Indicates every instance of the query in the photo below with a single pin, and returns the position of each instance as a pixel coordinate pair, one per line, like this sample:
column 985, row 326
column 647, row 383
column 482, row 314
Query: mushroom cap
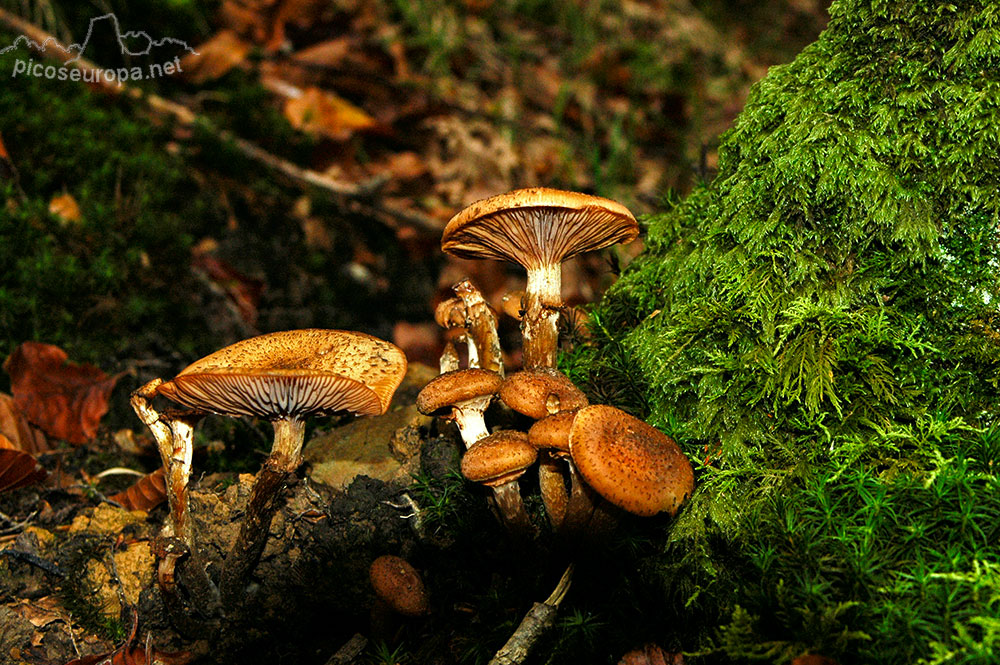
column 498, row 458
column 292, row 373
column 552, row 432
column 540, row 392
column 630, row 463
column 450, row 313
column 450, row 388
column 537, row 226
column 398, row 585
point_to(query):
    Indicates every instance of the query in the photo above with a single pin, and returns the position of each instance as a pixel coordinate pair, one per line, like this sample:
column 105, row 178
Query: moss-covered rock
column 819, row 324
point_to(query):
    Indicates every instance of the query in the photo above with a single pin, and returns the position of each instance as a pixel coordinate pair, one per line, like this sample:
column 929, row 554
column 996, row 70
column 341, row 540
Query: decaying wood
column 535, row 623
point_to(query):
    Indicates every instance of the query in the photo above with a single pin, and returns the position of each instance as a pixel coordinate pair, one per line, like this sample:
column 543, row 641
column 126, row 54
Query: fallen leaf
column 147, row 493
column 40, row 612
column 323, row 113
column 651, row 654
column 243, row 290
column 65, row 208
column 66, row 400
column 17, row 468
column 15, row 426
column 215, row 58
column 330, row 53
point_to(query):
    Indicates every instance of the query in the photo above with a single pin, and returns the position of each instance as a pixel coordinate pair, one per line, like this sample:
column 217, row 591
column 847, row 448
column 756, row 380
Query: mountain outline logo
column 80, row 48
column 132, row 44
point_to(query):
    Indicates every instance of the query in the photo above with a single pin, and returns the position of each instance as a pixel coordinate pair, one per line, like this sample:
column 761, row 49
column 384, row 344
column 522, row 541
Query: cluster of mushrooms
column 283, row 377
column 586, row 454
column 287, row 377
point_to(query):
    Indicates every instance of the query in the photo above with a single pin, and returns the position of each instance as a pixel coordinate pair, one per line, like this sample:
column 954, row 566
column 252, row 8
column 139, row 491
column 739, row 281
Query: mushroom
column 497, row 461
column 631, row 464
column 552, row 432
column 285, row 377
column 551, row 436
column 511, row 304
column 451, row 314
column 538, row 228
column 552, row 487
column 398, row 585
column 541, row 392
column 173, row 431
column 482, row 325
column 467, row 393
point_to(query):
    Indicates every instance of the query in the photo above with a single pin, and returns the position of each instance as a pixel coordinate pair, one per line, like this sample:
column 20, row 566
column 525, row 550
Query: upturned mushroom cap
column 630, row 463
column 398, row 585
column 293, row 373
column 537, row 226
column 552, row 432
column 450, row 313
column 452, row 388
column 499, row 458
column 540, row 392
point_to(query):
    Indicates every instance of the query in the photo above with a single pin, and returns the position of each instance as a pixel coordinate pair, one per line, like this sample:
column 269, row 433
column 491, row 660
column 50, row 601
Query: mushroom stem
column 246, row 550
column 511, row 506
column 289, row 433
column 173, row 440
column 449, row 358
column 540, row 324
column 470, row 420
column 581, row 502
column 482, row 325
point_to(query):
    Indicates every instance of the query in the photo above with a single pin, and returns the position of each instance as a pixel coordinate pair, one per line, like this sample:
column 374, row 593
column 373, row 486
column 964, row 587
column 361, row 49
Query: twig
column 350, row 651
column 362, row 194
column 34, row 560
column 535, row 623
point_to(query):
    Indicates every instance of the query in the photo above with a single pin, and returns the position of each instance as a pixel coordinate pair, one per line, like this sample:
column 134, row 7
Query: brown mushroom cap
column 537, row 226
column 450, row 388
column 398, row 585
column 540, row 392
column 552, row 432
column 293, row 373
column 630, row 463
column 499, row 458
column 450, row 313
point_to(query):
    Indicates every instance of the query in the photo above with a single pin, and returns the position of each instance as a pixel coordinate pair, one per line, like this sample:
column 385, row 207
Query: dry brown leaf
column 243, row 290
column 215, row 58
column 323, row 113
column 330, row 53
column 15, row 426
column 246, row 21
column 40, row 612
column 17, row 468
column 66, row 400
column 147, row 493
column 651, row 654
column 65, row 208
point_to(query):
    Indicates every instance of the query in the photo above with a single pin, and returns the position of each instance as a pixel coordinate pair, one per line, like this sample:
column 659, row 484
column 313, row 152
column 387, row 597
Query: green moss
column 819, row 323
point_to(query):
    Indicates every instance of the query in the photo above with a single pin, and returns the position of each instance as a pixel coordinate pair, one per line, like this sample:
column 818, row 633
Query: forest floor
column 296, row 172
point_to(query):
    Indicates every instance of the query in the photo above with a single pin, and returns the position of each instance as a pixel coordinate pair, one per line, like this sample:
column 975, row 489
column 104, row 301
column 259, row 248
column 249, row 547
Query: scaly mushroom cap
column 537, row 226
column 398, row 585
column 499, row 458
column 293, row 373
column 540, row 392
column 630, row 463
column 451, row 388
column 552, row 432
